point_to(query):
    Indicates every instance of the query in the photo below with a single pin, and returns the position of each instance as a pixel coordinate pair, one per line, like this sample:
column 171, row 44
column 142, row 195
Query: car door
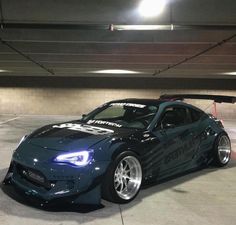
column 177, row 134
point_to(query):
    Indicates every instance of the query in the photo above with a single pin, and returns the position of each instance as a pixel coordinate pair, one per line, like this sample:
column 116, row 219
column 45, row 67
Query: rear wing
column 215, row 98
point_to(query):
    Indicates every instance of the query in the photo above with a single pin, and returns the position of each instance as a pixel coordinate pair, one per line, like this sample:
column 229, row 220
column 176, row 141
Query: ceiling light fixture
column 4, row 71
column 230, row 73
column 152, row 8
column 115, row 71
column 143, row 27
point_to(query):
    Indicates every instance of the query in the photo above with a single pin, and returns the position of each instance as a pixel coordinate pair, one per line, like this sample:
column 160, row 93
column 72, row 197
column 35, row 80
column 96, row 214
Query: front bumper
column 52, row 181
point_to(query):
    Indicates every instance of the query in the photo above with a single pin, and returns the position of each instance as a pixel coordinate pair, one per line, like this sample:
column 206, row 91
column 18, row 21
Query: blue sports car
column 110, row 152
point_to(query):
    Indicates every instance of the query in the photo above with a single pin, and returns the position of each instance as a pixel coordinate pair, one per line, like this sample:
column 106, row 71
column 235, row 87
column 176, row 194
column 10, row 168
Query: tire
column 120, row 185
column 222, row 150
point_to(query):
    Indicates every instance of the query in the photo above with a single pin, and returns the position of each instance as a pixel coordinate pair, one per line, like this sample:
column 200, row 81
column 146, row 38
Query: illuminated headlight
column 81, row 158
column 21, row 140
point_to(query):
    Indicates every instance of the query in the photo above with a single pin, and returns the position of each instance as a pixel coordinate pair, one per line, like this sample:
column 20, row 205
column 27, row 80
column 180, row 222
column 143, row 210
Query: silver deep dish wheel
column 224, row 149
column 128, row 177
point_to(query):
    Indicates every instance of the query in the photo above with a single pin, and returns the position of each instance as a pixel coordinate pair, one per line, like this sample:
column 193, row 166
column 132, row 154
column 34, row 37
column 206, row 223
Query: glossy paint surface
column 163, row 153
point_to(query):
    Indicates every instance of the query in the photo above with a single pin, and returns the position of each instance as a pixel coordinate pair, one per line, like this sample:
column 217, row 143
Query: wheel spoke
column 122, row 165
column 126, row 182
column 127, row 171
column 116, row 179
column 125, row 177
column 125, row 167
column 121, row 186
column 117, row 184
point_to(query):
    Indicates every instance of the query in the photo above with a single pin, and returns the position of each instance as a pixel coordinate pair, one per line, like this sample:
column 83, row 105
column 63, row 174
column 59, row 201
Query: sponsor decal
column 186, row 149
column 84, row 128
column 102, row 122
column 128, row 104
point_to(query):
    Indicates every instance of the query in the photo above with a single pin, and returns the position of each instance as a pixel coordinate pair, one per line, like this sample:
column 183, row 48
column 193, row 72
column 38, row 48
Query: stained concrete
column 204, row 197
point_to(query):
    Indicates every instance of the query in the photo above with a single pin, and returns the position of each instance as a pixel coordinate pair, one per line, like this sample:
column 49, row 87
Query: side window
column 195, row 115
column 174, row 117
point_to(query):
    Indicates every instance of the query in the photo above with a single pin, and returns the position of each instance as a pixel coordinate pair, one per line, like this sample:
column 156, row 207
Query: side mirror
column 84, row 115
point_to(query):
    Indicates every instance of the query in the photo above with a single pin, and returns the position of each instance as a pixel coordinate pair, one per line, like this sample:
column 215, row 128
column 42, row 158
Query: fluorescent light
column 151, row 8
column 144, row 27
column 230, row 73
column 116, row 71
column 3, row 71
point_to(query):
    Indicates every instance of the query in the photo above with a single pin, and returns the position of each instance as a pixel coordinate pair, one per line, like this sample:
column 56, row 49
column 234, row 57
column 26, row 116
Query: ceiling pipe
column 69, row 26
column 26, row 56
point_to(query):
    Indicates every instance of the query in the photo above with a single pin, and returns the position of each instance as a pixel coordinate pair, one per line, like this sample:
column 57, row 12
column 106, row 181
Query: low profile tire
column 123, row 179
column 222, row 150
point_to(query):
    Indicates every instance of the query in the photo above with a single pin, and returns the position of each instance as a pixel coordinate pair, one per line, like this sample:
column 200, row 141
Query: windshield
column 123, row 114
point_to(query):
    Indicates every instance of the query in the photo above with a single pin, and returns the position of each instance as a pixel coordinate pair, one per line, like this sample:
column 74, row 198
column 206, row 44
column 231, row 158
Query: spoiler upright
column 215, row 98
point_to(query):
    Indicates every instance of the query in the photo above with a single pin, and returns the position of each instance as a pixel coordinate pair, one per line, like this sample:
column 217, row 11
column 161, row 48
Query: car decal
column 176, row 154
column 84, row 128
column 102, row 122
column 135, row 105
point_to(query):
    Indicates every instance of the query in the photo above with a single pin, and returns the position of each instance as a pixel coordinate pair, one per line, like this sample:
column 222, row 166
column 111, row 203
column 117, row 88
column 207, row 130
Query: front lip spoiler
column 93, row 192
column 60, row 204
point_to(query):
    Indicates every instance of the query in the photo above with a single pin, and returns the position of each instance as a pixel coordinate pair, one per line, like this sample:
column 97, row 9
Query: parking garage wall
column 57, row 101
column 43, row 99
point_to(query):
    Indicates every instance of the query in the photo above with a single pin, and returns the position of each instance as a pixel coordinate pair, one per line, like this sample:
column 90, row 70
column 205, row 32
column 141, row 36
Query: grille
column 33, row 176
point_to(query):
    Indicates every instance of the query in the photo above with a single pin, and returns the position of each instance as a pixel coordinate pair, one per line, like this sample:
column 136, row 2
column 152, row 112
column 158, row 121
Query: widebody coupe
column 110, row 152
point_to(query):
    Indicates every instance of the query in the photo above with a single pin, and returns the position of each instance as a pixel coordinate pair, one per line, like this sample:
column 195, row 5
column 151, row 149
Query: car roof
column 141, row 101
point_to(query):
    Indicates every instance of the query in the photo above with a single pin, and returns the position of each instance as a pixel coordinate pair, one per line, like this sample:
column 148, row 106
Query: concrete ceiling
column 72, row 38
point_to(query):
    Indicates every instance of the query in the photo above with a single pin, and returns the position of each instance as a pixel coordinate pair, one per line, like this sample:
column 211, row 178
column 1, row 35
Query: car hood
column 73, row 135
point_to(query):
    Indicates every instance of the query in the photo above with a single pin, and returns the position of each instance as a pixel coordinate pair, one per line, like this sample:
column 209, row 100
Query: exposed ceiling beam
column 195, row 55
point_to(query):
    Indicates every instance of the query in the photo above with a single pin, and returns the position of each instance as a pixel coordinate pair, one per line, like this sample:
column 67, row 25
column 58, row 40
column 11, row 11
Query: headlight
column 22, row 139
column 81, row 158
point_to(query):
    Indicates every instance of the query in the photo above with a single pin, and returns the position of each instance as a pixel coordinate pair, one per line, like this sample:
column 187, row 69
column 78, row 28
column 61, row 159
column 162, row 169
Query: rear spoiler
column 215, row 98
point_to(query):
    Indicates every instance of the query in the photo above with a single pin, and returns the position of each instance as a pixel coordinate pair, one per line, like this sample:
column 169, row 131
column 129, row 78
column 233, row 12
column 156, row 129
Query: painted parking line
column 9, row 120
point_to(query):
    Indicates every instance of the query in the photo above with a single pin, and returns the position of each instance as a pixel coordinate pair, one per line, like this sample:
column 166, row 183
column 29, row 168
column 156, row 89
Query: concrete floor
column 204, row 197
